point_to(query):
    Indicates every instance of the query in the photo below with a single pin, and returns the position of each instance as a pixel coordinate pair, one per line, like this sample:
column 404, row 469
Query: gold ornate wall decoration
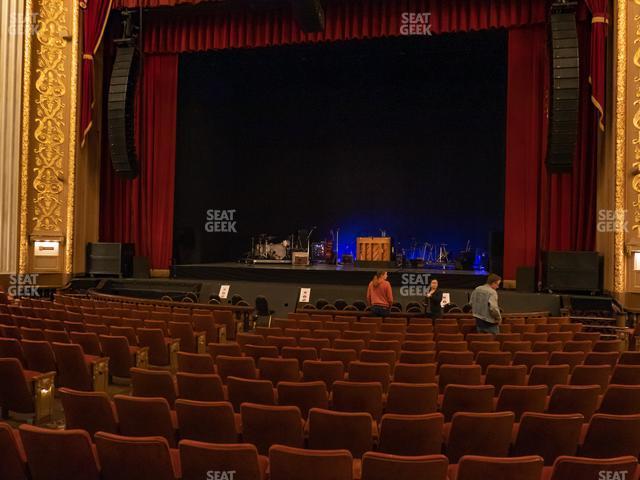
column 49, row 133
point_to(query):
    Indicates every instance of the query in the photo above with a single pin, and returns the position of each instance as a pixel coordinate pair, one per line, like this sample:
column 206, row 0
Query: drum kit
column 266, row 249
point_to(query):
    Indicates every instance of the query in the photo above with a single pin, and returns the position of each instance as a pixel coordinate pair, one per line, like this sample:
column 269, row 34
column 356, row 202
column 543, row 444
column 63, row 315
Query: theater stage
column 325, row 274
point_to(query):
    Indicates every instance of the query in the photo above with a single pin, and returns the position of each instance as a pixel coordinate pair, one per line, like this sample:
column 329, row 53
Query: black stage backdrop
column 402, row 134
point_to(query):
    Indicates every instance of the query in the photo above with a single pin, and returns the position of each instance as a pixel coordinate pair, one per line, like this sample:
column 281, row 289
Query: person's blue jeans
column 379, row 311
column 487, row 327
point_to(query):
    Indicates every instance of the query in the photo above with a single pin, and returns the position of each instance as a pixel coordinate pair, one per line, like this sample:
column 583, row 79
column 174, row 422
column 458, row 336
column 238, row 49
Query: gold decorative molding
column 49, row 134
column 23, row 251
column 73, row 132
column 49, row 131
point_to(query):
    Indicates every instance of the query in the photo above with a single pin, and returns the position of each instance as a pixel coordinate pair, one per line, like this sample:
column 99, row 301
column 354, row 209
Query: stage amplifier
column 571, row 271
column 300, row 258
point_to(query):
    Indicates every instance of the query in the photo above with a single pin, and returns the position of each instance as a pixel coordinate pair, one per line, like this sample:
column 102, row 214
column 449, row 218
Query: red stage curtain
column 166, row 32
column 141, row 210
column 526, row 139
column 598, row 54
column 95, row 17
column 545, row 211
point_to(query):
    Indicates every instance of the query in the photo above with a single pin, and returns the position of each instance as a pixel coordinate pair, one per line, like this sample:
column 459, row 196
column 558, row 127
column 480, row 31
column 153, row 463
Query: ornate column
column 11, row 42
column 49, row 139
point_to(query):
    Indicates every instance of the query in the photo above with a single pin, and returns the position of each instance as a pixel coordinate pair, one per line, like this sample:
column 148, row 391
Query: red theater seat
column 566, row 468
column 195, row 363
column 13, row 461
column 242, row 390
column 411, row 434
column 473, row 467
column 59, row 454
column 213, row 422
column 486, row 434
column 412, row 398
column 304, row 395
column 381, row 466
column 90, row 411
column 202, row 387
column 547, row 435
column 358, row 397
column 287, row 463
column 265, row 425
column 145, row 417
column 340, row 430
column 153, row 383
column 129, row 458
column 612, row 436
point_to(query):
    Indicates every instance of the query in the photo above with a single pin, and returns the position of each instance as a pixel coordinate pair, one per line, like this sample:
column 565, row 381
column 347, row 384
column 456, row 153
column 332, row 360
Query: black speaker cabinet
column 120, row 109
column 571, row 271
column 526, row 279
column 110, row 259
column 565, row 87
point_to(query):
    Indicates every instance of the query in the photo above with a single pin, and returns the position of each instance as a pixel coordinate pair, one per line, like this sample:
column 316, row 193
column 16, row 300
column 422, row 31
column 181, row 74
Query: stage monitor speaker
column 309, row 14
column 571, row 271
column 526, row 279
column 565, row 88
column 110, row 259
column 496, row 252
column 141, row 267
column 120, row 110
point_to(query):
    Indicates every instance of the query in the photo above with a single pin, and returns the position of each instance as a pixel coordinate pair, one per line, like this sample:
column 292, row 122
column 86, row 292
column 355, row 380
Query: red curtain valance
column 193, row 31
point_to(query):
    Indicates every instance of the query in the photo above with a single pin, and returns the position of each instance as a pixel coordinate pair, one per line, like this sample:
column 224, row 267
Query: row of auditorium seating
column 35, row 453
column 466, row 433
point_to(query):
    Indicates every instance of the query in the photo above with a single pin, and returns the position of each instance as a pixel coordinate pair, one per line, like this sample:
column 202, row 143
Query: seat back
column 500, row 375
column 414, row 373
column 381, row 466
column 279, row 369
column 154, row 339
column 460, row 375
column 68, row 453
column 144, row 417
column 212, row 422
column 621, row 400
column 129, row 458
column 581, row 399
column 467, row 398
column 12, row 457
column 197, row 459
column 479, row 434
column 153, row 383
column 90, row 411
column 200, row 386
column 412, row 398
column 549, row 375
column 328, row 372
column 287, row 463
column 15, row 392
column 89, row 342
column 304, row 395
column 473, row 467
column 119, row 353
column 573, row 467
column 548, row 435
column 358, row 397
column 242, row 390
column 612, row 436
column 11, row 348
column 411, row 434
column 195, row 363
column 39, row 355
column 241, row 367
column 329, row 430
column 265, row 425
column 72, row 369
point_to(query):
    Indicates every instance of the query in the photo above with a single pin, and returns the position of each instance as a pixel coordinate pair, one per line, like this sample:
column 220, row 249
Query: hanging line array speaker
column 565, row 87
column 120, row 108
